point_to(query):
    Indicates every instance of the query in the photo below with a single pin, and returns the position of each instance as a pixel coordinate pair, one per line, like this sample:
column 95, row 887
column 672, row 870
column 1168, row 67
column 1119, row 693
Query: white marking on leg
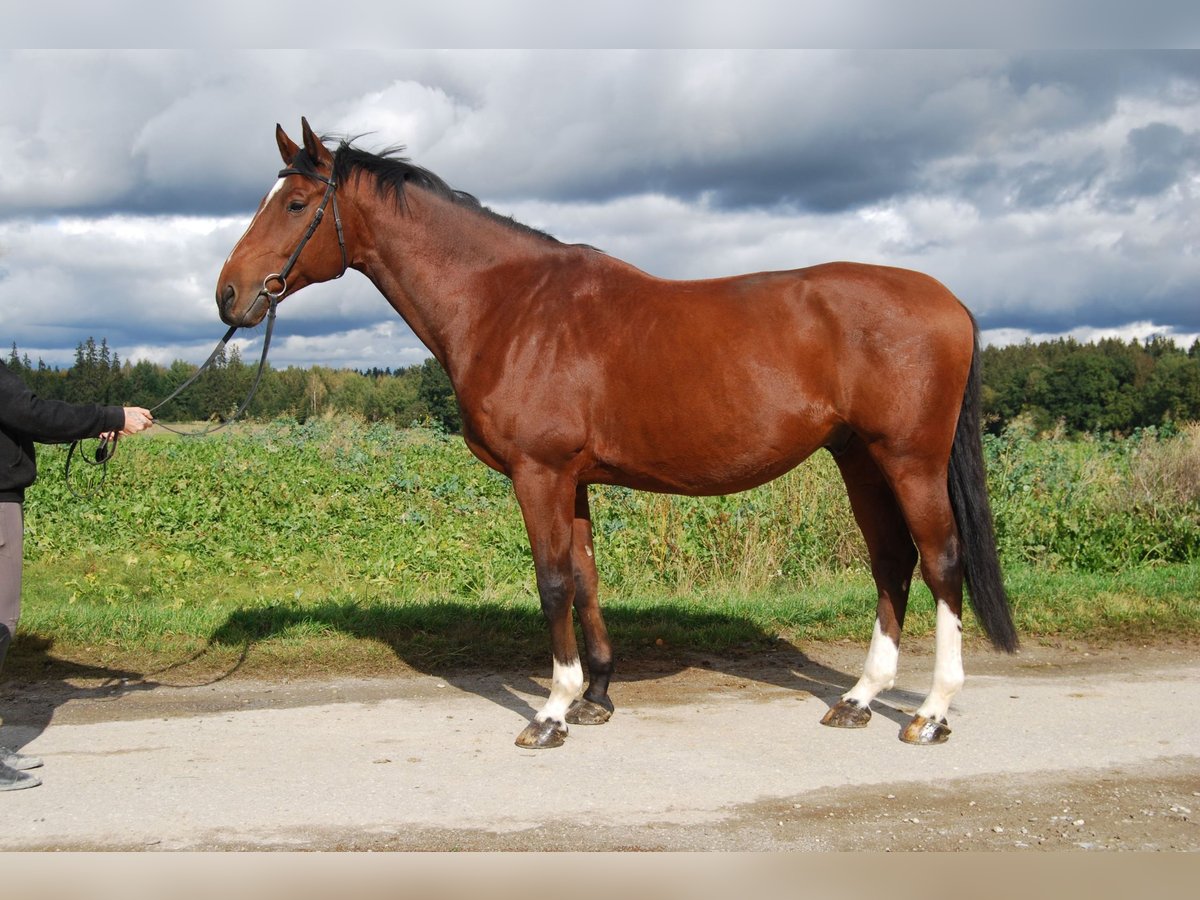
column 948, row 675
column 565, row 687
column 879, row 671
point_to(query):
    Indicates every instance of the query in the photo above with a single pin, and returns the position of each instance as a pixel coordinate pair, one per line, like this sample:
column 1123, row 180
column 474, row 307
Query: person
column 26, row 418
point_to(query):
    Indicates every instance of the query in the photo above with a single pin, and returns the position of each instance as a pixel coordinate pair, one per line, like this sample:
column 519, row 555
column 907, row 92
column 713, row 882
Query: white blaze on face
column 566, row 686
column 278, row 186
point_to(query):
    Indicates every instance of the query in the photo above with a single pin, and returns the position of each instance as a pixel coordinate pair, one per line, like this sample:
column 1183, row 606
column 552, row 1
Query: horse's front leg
column 547, row 500
column 594, row 707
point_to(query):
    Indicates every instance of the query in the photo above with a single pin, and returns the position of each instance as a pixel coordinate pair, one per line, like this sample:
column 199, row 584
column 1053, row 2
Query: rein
column 108, row 445
column 273, row 301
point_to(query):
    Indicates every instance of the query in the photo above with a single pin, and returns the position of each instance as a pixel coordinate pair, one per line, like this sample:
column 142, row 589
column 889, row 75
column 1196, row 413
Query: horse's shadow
column 443, row 638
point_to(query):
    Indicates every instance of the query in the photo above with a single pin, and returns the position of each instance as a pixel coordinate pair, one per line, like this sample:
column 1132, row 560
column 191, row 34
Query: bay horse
column 573, row 368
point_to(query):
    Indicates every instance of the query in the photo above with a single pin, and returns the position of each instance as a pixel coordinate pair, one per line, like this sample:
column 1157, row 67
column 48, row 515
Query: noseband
column 330, row 194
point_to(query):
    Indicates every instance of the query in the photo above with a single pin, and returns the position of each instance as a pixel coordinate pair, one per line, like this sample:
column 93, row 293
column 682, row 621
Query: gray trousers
column 12, row 549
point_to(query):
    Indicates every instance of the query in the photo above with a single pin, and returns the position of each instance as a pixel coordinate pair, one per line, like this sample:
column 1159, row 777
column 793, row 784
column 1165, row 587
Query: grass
column 368, row 631
column 338, row 547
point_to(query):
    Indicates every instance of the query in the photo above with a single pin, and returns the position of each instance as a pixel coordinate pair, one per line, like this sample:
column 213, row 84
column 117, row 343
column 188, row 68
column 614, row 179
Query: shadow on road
column 481, row 648
column 47, row 682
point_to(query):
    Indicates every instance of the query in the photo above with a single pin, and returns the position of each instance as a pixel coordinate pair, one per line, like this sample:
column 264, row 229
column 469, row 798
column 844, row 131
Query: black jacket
column 25, row 418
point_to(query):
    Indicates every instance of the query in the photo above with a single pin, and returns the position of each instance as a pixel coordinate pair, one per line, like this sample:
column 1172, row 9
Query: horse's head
column 286, row 247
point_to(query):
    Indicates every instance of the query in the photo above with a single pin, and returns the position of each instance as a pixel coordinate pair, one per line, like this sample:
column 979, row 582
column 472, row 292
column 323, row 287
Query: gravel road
column 1065, row 747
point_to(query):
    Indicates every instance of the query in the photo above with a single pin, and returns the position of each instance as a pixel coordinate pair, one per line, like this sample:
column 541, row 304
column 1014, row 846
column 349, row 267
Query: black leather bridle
column 330, row 194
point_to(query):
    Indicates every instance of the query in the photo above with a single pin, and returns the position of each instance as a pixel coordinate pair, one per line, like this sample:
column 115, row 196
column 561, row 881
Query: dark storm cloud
column 814, row 131
column 1037, row 185
column 1101, row 308
column 1049, row 188
column 1156, row 157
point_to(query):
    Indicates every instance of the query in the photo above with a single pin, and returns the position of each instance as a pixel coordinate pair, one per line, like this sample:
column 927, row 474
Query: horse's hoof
column 542, row 735
column 588, row 712
column 847, row 714
column 925, row 732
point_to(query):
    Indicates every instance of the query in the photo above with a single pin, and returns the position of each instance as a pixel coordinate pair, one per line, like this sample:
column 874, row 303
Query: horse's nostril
column 228, row 295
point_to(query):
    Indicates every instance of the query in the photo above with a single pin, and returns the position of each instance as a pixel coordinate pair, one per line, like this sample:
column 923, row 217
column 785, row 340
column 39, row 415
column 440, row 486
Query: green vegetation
column 337, row 544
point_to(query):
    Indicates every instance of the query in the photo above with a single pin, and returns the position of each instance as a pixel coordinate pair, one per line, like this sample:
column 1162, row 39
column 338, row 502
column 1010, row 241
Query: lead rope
column 108, row 445
column 262, row 364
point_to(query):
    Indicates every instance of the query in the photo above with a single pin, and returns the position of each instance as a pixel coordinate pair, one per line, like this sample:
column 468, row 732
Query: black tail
column 968, row 497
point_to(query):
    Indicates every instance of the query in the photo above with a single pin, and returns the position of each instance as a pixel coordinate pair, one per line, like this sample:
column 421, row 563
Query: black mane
column 393, row 173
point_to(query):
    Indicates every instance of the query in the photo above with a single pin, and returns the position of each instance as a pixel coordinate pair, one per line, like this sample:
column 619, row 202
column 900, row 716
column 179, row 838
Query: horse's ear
column 287, row 147
column 316, row 150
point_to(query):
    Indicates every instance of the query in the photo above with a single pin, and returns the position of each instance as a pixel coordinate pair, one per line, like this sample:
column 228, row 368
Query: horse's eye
column 295, row 206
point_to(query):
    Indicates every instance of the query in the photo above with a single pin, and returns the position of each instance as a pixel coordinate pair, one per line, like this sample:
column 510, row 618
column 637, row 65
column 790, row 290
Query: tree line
column 419, row 393
column 1110, row 386
column 1107, row 387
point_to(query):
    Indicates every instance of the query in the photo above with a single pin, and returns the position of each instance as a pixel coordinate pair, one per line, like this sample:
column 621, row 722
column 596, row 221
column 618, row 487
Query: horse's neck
column 437, row 265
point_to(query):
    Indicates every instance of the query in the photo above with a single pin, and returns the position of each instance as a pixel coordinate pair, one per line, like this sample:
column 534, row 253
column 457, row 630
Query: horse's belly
column 703, row 461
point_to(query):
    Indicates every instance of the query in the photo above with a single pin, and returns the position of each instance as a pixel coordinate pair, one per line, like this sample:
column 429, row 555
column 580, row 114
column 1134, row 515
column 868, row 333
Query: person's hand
column 136, row 419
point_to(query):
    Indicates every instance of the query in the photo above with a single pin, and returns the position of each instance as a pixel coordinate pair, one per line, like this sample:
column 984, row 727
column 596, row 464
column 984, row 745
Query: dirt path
column 1056, row 748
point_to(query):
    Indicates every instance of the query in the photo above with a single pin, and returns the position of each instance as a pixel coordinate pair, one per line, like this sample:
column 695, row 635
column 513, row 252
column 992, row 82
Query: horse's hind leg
column 594, row 707
column 924, row 497
column 893, row 558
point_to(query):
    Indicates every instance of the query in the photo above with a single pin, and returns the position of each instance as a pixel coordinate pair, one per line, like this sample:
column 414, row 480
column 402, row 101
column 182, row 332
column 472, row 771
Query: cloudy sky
column 1056, row 192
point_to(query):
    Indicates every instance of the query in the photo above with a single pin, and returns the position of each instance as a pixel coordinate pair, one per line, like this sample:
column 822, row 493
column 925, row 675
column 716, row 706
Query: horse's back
column 874, row 301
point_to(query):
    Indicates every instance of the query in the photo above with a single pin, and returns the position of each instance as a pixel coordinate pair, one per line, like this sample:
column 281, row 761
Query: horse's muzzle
column 227, row 307
column 226, row 297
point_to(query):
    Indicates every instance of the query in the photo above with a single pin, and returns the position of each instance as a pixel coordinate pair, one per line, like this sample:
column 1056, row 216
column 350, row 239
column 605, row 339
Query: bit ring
column 275, row 295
